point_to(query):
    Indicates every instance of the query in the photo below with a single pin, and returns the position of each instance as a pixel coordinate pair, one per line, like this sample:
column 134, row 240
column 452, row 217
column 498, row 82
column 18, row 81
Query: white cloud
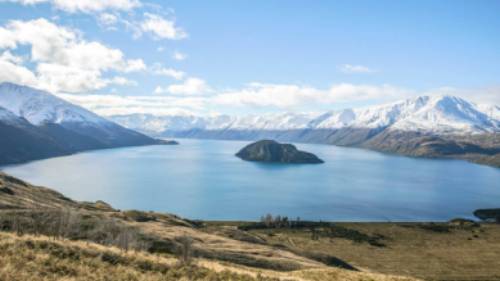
column 63, row 60
column 108, row 20
column 157, row 69
column 255, row 97
column 8, row 56
column 116, row 104
column 75, row 80
column 7, row 39
column 346, row 92
column 179, row 56
column 263, row 95
column 12, row 72
column 159, row 90
column 134, row 65
column 161, row 28
column 191, row 86
column 25, row 2
column 490, row 95
column 56, row 77
column 119, row 80
column 485, row 95
column 289, row 96
column 352, row 69
column 84, row 6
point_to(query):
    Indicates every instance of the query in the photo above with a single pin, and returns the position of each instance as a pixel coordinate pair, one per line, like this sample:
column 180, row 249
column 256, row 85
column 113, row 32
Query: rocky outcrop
column 272, row 151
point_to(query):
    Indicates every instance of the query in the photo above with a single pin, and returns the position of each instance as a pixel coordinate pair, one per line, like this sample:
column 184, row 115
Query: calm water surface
column 202, row 179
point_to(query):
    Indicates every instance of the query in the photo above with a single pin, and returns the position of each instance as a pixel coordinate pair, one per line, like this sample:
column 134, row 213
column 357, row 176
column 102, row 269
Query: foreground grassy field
column 27, row 258
column 46, row 236
column 430, row 251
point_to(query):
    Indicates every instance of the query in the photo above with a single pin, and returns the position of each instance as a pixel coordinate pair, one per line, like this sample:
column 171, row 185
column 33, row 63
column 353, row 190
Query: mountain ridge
column 35, row 124
column 439, row 114
column 456, row 128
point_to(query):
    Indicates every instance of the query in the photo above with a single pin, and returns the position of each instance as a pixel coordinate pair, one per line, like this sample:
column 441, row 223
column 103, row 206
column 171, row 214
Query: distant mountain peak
column 40, row 107
column 436, row 114
column 35, row 124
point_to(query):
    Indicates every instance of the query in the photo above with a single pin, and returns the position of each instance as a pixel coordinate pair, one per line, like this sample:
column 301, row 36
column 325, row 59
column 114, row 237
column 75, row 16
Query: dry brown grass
column 220, row 250
column 222, row 246
column 15, row 194
column 410, row 250
column 40, row 258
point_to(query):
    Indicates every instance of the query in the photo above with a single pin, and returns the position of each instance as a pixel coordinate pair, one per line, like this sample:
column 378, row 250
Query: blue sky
column 256, row 56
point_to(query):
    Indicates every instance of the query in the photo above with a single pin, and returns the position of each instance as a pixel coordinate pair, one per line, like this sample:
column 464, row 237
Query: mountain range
column 426, row 126
column 35, row 124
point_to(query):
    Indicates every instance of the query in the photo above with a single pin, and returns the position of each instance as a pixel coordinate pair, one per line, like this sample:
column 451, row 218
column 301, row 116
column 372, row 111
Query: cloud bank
column 63, row 60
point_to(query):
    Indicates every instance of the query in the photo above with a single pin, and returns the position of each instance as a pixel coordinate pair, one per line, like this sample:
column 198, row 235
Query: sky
column 250, row 57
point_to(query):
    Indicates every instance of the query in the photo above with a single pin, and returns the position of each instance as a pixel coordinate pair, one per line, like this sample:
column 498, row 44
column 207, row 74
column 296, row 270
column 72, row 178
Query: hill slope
column 92, row 241
column 88, row 241
column 35, row 124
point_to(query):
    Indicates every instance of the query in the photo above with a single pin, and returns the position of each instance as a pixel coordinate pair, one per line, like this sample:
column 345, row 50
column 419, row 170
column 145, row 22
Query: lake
column 202, row 179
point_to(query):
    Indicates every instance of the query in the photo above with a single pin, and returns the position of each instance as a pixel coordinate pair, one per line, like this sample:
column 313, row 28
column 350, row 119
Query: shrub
column 185, row 252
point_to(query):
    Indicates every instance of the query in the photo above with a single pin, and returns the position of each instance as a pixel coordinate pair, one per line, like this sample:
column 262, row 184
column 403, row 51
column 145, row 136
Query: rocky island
column 168, row 142
column 274, row 152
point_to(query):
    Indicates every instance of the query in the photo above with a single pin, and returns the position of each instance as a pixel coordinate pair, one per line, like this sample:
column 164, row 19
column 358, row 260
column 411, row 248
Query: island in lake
column 275, row 152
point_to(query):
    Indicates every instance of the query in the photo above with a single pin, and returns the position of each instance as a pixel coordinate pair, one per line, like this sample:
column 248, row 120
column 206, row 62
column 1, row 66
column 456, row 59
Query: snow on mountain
column 10, row 118
column 437, row 114
column 153, row 123
column 157, row 124
column 6, row 115
column 35, row 124
column 39, row 107
column 493, row 111
column 282, row 121
column 447, row 114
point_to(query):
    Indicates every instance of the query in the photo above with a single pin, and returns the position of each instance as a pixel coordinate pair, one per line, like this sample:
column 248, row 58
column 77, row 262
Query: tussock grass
column 30, row 258
column 431, row 251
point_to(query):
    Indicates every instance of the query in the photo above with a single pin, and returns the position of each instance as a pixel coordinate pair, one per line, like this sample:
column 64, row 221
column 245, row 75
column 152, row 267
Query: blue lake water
column 202, row 179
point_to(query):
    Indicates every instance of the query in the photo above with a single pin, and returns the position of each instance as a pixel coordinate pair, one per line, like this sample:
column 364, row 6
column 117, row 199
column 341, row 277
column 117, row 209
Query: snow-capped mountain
column 157, row 124
column 35, row 124
column 8, row 117
column 39, row 107
column 437, row 114
column 437, row 126
column 493, row 111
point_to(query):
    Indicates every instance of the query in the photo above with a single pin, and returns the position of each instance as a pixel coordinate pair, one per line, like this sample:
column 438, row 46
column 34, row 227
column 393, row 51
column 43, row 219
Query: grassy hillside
column 43, row 233
column 431, row 251
column 41, row 258
column 47, row 236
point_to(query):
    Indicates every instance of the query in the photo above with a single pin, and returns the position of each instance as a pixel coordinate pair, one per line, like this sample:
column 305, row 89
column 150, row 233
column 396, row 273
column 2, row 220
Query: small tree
column 17, row 224
column 268, row 220
column 285, row 222
column 277, row 221
column 124, row 238
column 314, row 233
column 185, row 253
